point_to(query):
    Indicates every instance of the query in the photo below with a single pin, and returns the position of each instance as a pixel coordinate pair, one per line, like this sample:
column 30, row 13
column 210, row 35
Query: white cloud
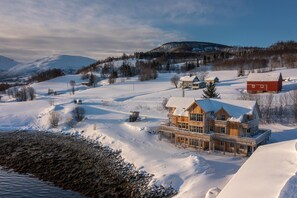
column 30, row 29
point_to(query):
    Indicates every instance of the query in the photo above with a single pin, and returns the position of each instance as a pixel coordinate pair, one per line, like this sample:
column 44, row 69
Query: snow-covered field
column 107, row 109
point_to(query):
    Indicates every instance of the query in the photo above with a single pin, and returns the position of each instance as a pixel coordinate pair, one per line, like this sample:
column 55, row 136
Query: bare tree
column 31, row 93
column 72, row 84
column 293, row 96
column 51, row 101
column 164, row 102
column 174, row 80
column 202, row 75
column 54, row 119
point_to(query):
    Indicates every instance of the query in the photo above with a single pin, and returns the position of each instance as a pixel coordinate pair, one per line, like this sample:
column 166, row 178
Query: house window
column 223, row 117
column 222, row 130
column 222, row 143
column 253, row 86
column 196, row 117
column 248, row 130
column 194, row 142
column 231, row 144
column 211, row 128
column 196, row 129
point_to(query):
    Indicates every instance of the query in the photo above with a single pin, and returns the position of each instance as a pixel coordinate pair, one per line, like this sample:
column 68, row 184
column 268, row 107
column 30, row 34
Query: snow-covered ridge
column 6, row 63
column 67, row 63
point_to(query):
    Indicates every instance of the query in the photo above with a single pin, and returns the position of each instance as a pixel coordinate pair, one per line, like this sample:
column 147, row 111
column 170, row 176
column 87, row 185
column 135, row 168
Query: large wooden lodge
column 214, row 124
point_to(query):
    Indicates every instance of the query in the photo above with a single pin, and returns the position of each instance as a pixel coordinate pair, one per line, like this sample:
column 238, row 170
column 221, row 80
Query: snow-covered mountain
column 67, row 63
column 6, row 63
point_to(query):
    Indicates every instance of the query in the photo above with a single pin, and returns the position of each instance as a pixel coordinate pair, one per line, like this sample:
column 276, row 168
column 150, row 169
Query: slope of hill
column 269, row 172
column 67, row 63
column 189, row 46
column 6, row 63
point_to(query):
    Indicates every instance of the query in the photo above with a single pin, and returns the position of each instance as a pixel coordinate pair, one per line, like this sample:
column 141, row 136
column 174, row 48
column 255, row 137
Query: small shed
column 212, row 79
column 264, row 82
column 134, row 116
column 188, row 81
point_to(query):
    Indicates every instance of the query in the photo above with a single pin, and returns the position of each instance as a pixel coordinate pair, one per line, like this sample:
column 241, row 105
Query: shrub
column 78, row 114
column 54, row 119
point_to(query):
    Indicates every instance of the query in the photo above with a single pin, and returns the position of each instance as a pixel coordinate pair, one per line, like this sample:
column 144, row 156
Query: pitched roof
column 261, row 77
column 188, row 78
column 211, row 78
column 235, row 108
column 181, row 104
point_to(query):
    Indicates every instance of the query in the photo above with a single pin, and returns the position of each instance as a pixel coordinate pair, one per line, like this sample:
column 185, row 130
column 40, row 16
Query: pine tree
column 210, row 91
column 92, row 80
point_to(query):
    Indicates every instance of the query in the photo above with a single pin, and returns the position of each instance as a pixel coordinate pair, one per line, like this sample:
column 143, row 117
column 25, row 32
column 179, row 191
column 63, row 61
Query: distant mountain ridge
column 6, row 63
column 67, row 63
column 189, row 46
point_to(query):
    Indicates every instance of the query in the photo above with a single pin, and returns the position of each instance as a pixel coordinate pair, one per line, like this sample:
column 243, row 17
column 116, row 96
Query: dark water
column 17, row 185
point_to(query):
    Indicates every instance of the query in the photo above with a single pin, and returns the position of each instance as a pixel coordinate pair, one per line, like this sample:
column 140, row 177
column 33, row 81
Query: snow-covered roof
column 260, row 77
column 181, row 104
column 211, row 78
column 235, row 108
column 188, row 78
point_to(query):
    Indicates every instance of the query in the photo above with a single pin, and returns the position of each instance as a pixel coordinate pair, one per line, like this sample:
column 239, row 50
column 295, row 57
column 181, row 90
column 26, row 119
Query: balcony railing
column 222, row 123
column 172, row 129
column 261, row 136
column 255, row 140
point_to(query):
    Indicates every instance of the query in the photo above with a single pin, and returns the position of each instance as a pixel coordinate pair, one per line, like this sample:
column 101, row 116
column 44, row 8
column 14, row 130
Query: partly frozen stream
column 17, row 185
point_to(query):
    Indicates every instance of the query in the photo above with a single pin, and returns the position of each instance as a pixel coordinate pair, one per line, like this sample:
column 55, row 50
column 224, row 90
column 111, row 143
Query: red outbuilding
column 264, row 82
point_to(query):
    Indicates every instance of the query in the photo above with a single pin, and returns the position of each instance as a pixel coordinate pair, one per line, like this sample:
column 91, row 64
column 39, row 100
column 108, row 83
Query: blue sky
column 32, row 29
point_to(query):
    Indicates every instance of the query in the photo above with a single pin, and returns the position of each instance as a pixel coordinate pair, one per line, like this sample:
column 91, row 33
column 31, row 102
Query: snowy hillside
column 269, row 172
column 107, row 110
column 67, row 63
column 6, row 63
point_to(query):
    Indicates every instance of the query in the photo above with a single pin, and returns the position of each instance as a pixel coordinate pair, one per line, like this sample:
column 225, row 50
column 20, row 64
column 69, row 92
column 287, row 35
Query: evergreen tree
column 210, row 91
column 92, row 80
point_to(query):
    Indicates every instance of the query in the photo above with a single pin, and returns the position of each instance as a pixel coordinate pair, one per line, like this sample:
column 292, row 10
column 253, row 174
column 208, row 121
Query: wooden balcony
column 221, row 123
column 261, row 136
column 177, row 131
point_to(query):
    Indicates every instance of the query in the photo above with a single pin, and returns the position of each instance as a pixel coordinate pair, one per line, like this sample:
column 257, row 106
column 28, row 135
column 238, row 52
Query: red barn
column 264, row 82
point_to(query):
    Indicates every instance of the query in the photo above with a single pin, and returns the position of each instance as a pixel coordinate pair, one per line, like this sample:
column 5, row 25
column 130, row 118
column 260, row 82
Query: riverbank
column 75, row 164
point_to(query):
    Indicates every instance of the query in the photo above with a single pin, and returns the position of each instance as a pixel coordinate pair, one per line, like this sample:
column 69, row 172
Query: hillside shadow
column 285, row 135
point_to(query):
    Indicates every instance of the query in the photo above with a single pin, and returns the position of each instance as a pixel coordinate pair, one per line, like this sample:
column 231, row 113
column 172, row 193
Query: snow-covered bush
column 54, row 119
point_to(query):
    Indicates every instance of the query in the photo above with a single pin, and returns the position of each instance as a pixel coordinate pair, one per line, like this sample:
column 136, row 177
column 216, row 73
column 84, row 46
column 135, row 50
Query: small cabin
column 264, row 82
column 188, row 81
column 212, row 79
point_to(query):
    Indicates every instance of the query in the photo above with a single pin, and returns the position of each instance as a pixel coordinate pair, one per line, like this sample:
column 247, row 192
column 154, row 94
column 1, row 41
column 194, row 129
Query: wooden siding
column 265, row 86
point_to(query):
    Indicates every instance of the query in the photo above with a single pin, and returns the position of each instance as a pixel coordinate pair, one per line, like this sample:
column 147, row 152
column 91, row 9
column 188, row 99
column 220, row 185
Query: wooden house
column 214, row 124
column 264, row 82
column 212, row 79
column 189, row 81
